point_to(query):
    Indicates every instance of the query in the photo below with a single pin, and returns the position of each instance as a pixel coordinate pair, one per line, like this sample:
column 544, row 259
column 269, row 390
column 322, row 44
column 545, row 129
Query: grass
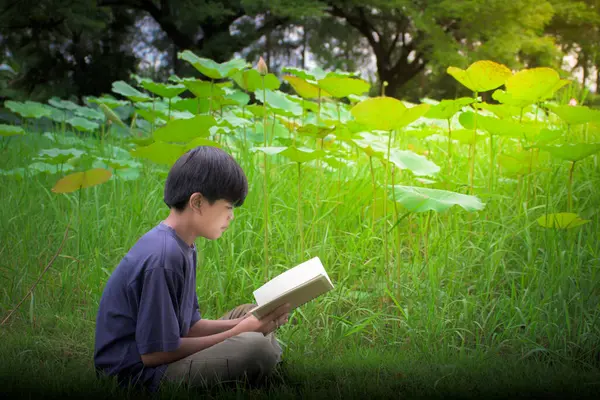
column 502, row 308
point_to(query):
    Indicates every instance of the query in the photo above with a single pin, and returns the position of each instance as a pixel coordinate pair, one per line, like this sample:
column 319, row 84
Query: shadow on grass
column 335, row 376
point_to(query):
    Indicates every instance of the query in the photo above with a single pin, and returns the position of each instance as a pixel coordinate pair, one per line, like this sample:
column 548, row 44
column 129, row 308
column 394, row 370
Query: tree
column 576, row 27
column 410, row 37
column 212, row 29
column 63, row 48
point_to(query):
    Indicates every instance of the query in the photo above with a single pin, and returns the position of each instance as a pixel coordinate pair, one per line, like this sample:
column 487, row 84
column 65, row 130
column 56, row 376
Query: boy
column 149, row 328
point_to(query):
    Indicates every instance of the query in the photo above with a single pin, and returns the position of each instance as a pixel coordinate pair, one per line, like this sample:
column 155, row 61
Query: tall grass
column 494, row 285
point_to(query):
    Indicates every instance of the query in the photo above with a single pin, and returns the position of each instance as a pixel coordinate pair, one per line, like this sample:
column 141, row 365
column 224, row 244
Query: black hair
column 207, row 170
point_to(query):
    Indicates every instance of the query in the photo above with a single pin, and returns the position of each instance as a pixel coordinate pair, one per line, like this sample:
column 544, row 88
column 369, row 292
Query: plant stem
column 374, row 190
column 491, row 161
column 300, row 224
column 211, row 96
column 79, row 233
column 449, row 146
column 319, row 169
column 474, row 146
column 570, row 186
column 399, row 238
column 427, row 226
column 385, row 191
column 266, row 183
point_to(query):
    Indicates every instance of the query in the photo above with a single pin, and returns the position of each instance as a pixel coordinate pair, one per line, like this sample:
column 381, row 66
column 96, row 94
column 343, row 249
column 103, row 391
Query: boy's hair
column 207, row 170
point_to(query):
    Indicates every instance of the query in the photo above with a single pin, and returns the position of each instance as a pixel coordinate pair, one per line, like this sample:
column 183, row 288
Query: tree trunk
column 392, row 52
column 304, row 45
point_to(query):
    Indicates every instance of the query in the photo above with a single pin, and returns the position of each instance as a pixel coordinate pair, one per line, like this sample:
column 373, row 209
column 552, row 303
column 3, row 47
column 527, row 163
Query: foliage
column 471, row 259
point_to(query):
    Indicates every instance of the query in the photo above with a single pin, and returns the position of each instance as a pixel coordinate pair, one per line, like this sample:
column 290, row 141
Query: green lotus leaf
column 296, row 154
column 154, row 117
column 315, row 74
column 107, row 101
column 202, row 89
column 269, row 150
column 251, row 81
column 547, row 136
column 184, row 130
column 465, row 136
column 445, row 109
column 234, row 121
column 499, row 127
column 412, row 114
column 201, row 142
column 501, row 110
column 59, row 156
column 212, row 69
column 63, row 104
column 28, row 109
column 163, row 90
column 45, row 168
column 279, row 103
column 160, row 152
column 572, row 151
column 89, row 113
column 574, row 115
column 417, row 164
column 235, row 97
column 419, row 199
column 371, row 144
column 318, row 131
column 83, row 124
column 10, row 130
column 18, row 173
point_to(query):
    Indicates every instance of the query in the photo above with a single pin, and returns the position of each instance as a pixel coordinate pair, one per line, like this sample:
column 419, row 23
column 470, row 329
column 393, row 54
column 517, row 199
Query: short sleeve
column 157, row 327
column 196, row 312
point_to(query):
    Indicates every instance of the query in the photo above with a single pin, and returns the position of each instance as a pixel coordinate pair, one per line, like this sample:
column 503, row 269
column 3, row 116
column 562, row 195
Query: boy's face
column 213, row 219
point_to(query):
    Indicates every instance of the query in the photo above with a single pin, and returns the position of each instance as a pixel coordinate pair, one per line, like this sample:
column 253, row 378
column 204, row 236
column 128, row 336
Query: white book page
column 289, row 279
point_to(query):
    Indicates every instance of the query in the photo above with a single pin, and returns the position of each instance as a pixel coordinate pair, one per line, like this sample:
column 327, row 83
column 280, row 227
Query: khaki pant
column 248, row 356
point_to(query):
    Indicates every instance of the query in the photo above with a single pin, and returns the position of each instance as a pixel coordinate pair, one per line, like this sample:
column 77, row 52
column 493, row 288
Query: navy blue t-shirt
column 148, row 304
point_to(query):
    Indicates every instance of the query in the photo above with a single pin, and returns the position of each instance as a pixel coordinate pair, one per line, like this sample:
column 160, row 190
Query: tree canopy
column 79, row 47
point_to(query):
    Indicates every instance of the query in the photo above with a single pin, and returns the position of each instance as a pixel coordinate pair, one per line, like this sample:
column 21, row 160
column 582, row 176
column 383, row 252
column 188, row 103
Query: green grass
column 502, row 308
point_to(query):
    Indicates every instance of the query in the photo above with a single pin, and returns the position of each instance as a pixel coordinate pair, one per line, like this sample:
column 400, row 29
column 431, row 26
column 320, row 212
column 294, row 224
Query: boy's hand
column 268, row 324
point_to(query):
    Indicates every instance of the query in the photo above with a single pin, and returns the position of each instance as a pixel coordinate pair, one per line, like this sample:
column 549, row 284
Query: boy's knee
column 259, row 353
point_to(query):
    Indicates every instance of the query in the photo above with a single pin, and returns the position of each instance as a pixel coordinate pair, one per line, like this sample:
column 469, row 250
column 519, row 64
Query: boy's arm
column 187, row 346
column 191, row 345
column 207, row 327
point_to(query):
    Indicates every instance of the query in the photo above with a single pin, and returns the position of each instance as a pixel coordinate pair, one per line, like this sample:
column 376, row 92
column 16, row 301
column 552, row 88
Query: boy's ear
column 196, row 200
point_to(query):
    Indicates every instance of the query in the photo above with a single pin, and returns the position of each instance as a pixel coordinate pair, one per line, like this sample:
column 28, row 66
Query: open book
column 296, row 286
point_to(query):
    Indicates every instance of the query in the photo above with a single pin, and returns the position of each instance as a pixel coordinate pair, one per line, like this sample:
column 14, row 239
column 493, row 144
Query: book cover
column 296, row 286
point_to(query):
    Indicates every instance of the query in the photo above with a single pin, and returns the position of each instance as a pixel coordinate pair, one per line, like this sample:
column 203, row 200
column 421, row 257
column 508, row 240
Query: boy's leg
column 238, row 312
column 248, row 355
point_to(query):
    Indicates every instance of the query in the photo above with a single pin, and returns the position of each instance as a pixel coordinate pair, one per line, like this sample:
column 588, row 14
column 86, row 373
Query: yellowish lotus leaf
column 481, row 76
column 80, row 180
column 533, row 85
column 379, row 113
column 305, row 89
column 561, row 221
